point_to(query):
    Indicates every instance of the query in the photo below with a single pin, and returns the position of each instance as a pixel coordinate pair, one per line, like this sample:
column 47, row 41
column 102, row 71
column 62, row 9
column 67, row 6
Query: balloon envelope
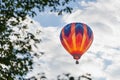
column 76, row 38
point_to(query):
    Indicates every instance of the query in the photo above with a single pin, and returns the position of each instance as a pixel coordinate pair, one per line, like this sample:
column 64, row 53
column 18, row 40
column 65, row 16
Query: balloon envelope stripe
column 67, row 30
column 65, row 43
column 73, row 36
column 79, row 29
column 89, row 32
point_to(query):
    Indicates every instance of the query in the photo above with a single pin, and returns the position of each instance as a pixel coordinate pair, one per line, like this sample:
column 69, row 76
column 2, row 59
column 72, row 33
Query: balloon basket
column 77, row 62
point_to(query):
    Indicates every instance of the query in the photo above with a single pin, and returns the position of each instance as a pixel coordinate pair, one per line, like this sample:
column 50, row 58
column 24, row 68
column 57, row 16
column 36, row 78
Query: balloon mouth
column 76, row 56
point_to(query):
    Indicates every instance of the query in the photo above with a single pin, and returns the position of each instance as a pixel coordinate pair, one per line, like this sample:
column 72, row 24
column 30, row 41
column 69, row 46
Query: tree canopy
column 12, row 14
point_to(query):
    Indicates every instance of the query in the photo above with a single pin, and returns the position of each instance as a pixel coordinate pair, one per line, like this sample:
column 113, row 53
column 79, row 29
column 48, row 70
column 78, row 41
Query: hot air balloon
column 76, row 38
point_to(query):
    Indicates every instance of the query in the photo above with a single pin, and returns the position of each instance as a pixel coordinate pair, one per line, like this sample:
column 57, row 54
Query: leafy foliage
column 21, row 8
column 15, row 51
column 14, row 44
column 64, row 76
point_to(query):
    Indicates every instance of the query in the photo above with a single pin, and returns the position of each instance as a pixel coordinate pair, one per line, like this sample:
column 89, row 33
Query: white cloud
column 101, row 60
column 103, row 17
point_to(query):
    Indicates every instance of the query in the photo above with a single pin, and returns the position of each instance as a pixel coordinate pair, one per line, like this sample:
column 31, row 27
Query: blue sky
column 103, row 57
column 47, row 19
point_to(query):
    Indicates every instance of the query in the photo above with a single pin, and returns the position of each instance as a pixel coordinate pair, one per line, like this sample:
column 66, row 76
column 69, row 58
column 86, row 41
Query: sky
column 102, row 60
